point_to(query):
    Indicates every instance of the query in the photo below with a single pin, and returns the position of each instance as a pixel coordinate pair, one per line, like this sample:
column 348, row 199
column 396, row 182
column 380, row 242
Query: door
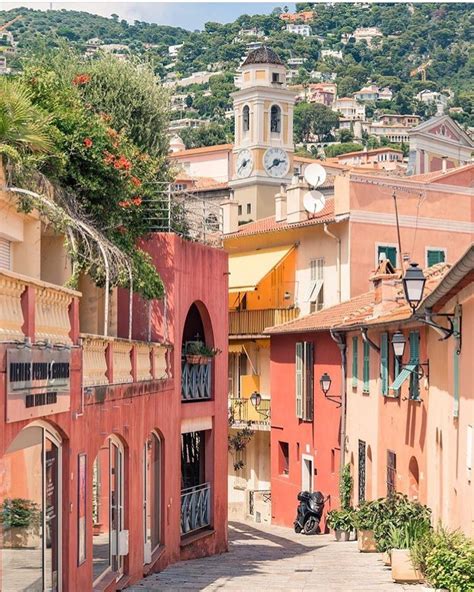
column 307, row 473
column 362, row 451
column 152, row 496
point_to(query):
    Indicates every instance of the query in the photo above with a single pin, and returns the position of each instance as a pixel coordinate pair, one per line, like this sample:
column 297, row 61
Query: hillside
column 412, row 34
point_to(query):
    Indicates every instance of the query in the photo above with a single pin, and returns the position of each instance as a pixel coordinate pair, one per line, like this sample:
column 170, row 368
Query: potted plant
column 20, row 520
column 342, row 522
column 365, row 520
column 198, row 353
column 402, row 539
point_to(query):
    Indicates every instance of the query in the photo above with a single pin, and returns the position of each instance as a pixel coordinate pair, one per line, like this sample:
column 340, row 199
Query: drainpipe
column 338, row 260
column 340, row 340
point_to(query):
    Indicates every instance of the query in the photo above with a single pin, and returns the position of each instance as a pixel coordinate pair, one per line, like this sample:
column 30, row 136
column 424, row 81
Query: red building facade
column 113, row 452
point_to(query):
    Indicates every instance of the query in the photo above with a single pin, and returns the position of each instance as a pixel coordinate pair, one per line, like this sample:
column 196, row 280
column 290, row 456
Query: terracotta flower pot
column 366, row 541
column 402, row 567
column 342, row 535
column 387, row 558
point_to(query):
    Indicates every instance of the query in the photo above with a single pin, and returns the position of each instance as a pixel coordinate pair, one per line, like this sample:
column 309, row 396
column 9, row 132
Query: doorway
column 30, row 498
column 307, row 473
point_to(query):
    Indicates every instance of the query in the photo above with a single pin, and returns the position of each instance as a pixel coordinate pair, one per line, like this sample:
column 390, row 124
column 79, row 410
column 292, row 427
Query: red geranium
column 135, row 181
column 88, row 142
column 124, row 204
column 137, row 201
column 81, row 79
column 123, row 163
column 108, row 157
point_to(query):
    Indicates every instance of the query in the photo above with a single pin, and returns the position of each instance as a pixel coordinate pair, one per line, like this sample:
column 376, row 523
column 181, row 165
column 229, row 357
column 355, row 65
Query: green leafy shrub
column 406, row 535
column 445, row 559
column 345, row 487
column 19, row 513
column 341, row 519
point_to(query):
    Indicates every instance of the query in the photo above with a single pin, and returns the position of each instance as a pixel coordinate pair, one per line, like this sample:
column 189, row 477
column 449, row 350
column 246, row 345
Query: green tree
column 313, row 119
column 337, row 149
column 205, row 135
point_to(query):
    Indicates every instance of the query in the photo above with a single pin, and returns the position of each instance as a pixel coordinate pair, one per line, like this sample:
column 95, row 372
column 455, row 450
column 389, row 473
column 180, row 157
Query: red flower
column 81, row 79
column 137, row 201
column 108, row 157
column 123, row 163
column 88, row 142
column 124, row 204
column 135, row 181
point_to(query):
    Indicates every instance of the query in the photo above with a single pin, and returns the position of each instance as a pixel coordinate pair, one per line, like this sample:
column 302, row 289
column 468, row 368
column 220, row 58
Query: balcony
column 195, row 508
column 243, row 414
column 110, row 360
column 254, row 322
column 196, row 381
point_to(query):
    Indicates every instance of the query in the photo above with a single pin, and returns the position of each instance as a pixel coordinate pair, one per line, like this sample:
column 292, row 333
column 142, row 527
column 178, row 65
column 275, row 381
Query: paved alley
column 267, row 558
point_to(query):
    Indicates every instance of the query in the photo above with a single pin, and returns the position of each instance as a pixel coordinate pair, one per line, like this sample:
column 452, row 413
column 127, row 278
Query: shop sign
column 38, row 382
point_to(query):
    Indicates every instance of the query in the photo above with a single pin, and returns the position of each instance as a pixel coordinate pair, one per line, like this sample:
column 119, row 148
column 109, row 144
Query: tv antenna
column 314, row 201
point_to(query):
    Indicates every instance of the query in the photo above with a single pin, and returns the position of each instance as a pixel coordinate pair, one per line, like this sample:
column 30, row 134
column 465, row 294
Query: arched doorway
column 197, row 354
column 30, row 498
column 152, row 494
column 108, row 543
column 413, row 479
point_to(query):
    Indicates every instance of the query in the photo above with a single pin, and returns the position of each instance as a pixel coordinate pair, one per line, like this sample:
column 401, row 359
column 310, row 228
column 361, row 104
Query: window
column 316, row 290
column 275, row 77
column 391, row 472
column 355, row 361
column 152, row 495
column 275, row 119
column 434, row 256
column 384, row 369
column 5, row 253
column 239, row 210
column 245, row 119
column 304, row 380
column 414, row 389
column 249, row 208
column 179, row 186
column 366, row 368
column 283, row 458
column 386, row 252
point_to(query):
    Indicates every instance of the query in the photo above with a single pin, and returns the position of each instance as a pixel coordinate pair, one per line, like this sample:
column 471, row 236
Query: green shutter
column 434, row 257
column 414, row 360
column 355, row 361
column 299, row 379
column 308, row 393
column 366, row 368
column 390, row 253
column 384, row 363
column 456, row 369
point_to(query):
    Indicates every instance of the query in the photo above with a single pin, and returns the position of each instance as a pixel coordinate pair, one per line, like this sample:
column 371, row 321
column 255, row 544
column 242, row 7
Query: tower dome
column 262, row 55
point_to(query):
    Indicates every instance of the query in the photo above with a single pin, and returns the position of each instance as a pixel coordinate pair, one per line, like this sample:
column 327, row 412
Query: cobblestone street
column 267, row 558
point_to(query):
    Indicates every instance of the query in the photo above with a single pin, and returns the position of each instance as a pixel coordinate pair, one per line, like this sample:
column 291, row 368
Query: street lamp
column 256, row 399
column 413, row 285
column 398, row 344
column 325, row 382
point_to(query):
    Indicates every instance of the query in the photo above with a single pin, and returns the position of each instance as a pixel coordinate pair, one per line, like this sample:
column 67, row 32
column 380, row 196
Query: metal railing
column 195, row 508
column 196, row 381
column 242, row 411
column 254, row 322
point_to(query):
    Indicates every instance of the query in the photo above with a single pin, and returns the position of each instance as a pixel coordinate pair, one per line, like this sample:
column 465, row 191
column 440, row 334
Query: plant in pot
column 402, row 539
column 365, row 520
column 198, row 353
column 342, row 521
column 20, row 520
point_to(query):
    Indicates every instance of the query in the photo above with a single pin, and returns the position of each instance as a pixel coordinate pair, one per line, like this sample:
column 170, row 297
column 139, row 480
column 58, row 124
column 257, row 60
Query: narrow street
column 265, row 557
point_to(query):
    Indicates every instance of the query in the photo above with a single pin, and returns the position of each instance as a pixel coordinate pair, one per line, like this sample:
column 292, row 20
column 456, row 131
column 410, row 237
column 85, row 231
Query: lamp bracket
column 420, row 371
column 335, row 399
column 367, row 339
column 445, row 332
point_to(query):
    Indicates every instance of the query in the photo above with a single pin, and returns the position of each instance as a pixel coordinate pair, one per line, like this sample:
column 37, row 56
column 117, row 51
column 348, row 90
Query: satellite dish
column 314, row 202
column 315, row 174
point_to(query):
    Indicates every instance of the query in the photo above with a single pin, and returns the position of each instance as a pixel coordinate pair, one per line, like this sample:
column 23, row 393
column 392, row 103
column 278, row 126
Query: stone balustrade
column 109, row 360
column 11, row 314
column 52, row 318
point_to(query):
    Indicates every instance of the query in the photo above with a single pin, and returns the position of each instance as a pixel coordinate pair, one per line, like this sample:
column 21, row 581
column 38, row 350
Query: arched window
column 246, row 119
column 275, row 119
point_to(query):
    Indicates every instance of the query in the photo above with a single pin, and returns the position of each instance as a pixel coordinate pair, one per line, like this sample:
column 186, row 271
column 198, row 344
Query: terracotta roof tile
column 203, row 150
column 269, row 224
column 359, row 311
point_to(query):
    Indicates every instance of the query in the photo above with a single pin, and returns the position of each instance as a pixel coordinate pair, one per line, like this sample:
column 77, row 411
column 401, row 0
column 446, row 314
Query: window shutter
column 299, row 379
column 434, row 257
column 5, row 253
column 355, row 361
column 308, row 382
column 414, row 389
column 384, row 363
column 390, row 253
column 366, row 369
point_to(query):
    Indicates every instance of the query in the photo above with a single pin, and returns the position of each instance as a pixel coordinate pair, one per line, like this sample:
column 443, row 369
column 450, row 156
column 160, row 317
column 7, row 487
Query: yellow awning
column 248, row 269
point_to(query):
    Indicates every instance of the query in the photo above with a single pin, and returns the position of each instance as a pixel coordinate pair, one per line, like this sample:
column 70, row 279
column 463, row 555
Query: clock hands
column 244, row 164
column 276, row 162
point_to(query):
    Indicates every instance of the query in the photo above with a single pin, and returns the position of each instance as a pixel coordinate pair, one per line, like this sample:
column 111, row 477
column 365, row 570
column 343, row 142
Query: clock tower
column 263, row 148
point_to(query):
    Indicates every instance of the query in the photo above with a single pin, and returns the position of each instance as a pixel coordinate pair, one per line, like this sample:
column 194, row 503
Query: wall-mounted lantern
column 325, row 383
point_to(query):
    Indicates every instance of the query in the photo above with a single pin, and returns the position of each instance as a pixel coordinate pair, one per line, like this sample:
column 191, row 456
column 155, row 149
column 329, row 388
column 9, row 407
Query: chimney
column 230, row 216
column 387, row 283
column 444, row 164
column 294, row 200
column 280, row 205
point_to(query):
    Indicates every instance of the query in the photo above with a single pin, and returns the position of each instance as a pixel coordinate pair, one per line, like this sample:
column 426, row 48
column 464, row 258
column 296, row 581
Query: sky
column 189, row 15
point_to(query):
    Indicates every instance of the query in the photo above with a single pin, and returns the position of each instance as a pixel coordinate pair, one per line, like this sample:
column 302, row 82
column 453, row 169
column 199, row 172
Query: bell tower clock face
column 244, row 164
column 276, row 162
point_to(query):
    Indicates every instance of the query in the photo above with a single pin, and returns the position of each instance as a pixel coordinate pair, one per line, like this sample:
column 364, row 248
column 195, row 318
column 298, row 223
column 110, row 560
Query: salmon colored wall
column 319, row 439
column 191, row 272
column 450, row 489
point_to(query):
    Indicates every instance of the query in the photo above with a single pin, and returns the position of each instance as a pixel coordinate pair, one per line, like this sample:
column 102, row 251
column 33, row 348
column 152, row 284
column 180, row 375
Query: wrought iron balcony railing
column 254, row 322
column 196, row 381
column 242, row 411
column 195, row 508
